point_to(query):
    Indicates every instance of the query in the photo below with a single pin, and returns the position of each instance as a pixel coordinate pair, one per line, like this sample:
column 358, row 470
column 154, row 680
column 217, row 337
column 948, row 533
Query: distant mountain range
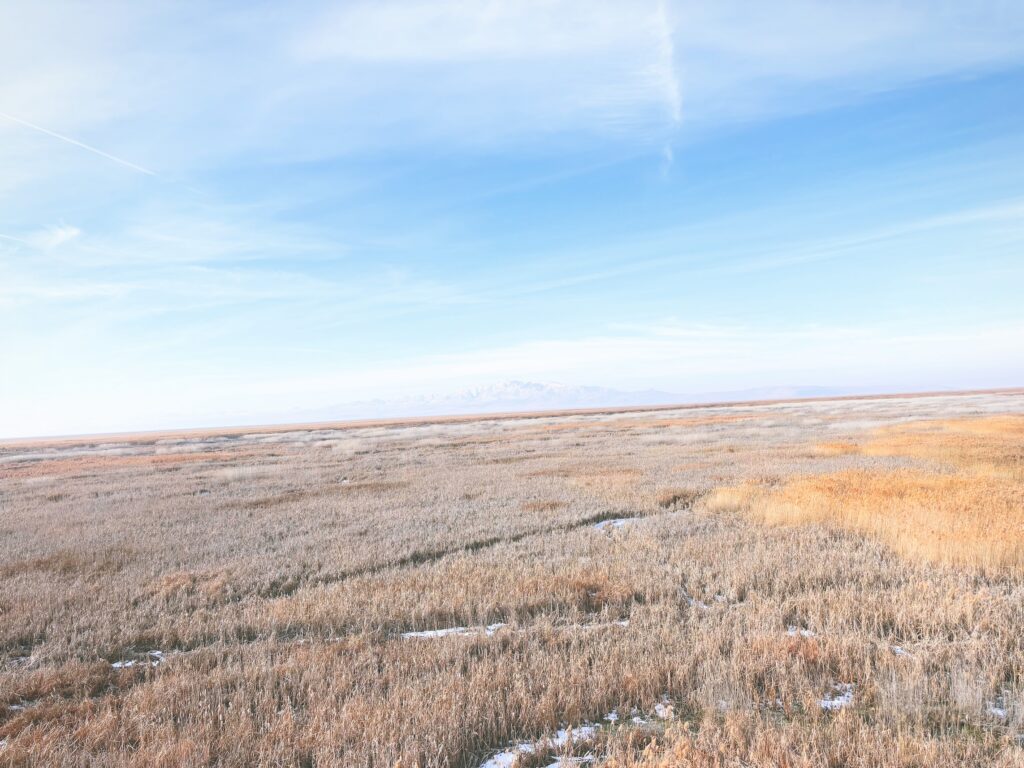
column 518, row 396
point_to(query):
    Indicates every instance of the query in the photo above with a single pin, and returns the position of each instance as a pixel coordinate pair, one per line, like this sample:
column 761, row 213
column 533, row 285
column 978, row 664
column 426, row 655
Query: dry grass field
column 833, row 583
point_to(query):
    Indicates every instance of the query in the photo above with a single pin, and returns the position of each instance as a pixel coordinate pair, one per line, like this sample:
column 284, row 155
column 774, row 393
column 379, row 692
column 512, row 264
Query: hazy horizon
column 251, row 209
column 486, row 401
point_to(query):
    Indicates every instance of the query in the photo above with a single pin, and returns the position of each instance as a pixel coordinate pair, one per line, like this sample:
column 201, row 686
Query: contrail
column 666, row 65
column 69, row 140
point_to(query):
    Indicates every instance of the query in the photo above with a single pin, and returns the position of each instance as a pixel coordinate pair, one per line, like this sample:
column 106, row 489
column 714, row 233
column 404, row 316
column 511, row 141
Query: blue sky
column 225, row 212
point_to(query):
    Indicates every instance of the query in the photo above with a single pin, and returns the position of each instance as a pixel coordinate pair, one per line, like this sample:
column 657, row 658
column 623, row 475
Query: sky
column 226, row 212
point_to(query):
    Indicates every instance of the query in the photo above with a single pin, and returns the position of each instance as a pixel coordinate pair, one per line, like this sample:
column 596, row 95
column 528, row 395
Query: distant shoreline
column 407, row 421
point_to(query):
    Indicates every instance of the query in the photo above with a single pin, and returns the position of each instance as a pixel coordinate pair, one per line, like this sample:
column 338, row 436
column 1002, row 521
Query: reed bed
column 750, row 593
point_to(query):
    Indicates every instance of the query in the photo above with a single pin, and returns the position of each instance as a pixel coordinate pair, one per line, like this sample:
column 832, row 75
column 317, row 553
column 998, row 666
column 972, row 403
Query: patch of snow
column 3, row 743
column 795, row 631
column 998, row 708
column 899, row 651
column 842, row 696
column 507, row 759
column 664, row 710
column 694, row 603
column 489, row 630
column 16, row 707
column 155, row 659
column 607, row 526
column 561, row 738
column 612, row 717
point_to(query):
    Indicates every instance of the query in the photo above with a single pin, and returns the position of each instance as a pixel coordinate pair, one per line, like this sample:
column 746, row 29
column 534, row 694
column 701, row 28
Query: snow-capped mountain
column 508, row 396
column 531, row 396
column 518, row 396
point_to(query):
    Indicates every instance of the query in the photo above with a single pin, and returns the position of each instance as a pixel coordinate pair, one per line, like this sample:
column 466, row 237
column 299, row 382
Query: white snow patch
column 997, row 707
column 795, row 631
column 506, row 759
column 900, row 651
column 489, row 630
column 561, row 738
column 842, row 696
column 607, row 526
column 153, row 659
column 664, row 710
column 694, row 603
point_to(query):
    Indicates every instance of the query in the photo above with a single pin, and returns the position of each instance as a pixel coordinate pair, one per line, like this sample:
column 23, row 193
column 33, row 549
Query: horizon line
column 407, row 421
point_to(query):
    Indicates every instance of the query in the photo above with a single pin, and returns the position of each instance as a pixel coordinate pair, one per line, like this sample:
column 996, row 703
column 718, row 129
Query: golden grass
column 968, row 510
column 964, row 519
column 543, row 506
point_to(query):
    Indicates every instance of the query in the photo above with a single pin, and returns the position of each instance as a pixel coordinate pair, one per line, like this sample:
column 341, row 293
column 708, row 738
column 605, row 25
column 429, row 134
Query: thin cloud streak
column 75, row 142
column 667, row 64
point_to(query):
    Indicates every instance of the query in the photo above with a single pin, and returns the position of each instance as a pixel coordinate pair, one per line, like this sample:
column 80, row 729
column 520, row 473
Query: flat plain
column 818, row 583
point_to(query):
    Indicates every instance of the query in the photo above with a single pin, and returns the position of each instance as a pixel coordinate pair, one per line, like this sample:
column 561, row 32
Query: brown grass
column 543, row 506
column 278, row 575
column 672, row 497
column 966, row 511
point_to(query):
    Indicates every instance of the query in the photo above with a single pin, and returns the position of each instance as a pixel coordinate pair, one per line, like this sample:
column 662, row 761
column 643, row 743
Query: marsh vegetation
column 800, row 584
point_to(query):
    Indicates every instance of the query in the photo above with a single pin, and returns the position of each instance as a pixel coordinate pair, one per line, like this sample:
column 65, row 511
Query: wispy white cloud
column 330, row 78
column 54, row 236
column 237, row 98
column 45, row 239
column 456, row 30
column 507, row 70
column 665, row 69
column 76, row 143
column 748, row 61
column 734, row 245
column 688, row 358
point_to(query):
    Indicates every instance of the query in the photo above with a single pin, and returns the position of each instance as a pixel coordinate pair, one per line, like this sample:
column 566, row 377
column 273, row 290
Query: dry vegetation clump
column 431, row 595
column 677, row 497
column 966, row 508
column 740, row 739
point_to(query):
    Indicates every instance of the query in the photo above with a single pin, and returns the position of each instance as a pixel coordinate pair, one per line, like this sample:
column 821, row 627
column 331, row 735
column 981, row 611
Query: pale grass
column 278, row 571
